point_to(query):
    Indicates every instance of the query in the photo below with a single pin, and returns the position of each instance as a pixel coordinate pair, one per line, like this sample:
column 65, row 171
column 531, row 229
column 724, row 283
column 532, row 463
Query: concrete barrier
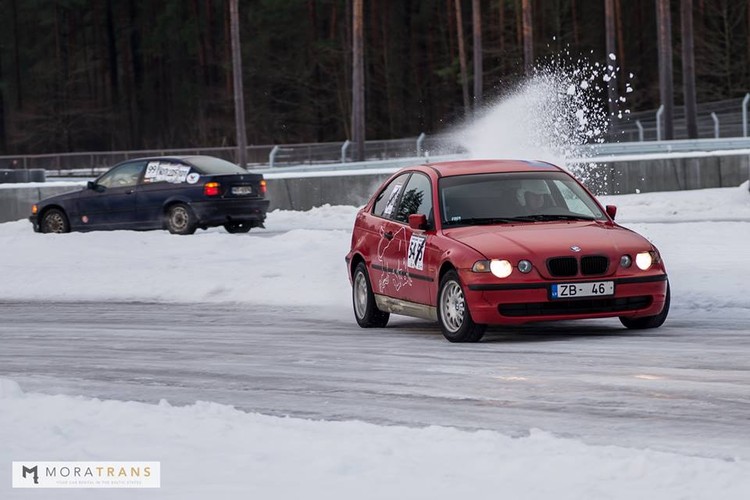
column 16, row 201
column 671, row 174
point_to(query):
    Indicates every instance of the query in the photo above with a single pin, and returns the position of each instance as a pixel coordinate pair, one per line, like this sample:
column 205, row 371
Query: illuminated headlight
column 644, row 260
column 626, row 261
column 524, row 266
column 501, row 268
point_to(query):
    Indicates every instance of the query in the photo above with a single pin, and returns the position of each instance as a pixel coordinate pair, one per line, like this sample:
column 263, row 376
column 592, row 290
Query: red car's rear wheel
column 365, row 310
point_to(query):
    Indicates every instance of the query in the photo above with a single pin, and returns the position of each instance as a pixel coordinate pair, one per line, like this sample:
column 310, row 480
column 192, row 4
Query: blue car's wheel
column 54, row 221
column 238, row 227
column 180, row 219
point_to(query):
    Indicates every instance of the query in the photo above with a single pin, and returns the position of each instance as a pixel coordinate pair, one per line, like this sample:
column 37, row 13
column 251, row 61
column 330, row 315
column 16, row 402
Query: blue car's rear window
column 215, row 166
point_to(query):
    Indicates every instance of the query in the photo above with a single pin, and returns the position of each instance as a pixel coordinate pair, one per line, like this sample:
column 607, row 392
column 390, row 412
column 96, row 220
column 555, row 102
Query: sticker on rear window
column 416, row 252
column 193, row 178
column 157, row 171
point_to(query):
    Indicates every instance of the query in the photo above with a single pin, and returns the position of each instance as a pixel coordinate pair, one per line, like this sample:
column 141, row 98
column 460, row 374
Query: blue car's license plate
column 242, row 190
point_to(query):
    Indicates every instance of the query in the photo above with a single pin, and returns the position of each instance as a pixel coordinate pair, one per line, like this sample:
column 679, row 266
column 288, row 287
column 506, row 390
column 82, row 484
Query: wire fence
column 261, row 156
column 716, row 119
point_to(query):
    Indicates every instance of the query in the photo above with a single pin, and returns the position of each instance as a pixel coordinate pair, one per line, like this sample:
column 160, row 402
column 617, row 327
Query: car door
column 163, row 179
column 382, row 239
column 111, row 202
column 413, row 248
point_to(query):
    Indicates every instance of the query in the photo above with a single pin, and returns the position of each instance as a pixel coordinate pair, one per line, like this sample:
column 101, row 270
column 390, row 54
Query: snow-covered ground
column 299, row 259
column 214, row 450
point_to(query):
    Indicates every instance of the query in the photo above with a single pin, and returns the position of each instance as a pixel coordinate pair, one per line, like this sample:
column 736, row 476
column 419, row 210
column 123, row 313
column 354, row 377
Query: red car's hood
column 549, row 239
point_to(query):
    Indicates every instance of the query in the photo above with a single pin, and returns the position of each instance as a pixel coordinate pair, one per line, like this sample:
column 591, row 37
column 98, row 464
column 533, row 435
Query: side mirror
column 96, row 187
column 418, row 221
column 611, row 211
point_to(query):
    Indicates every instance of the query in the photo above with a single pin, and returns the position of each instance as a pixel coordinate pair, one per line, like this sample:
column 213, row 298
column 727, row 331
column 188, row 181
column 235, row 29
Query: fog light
column 626, row 261
column 524, row 266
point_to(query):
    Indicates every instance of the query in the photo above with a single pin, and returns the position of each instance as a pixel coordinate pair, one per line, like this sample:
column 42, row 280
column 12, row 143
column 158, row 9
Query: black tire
column 180, row 219
column 366, row 312
column 649, row 321
column 54, row 221
column 238, row 227
column 453, row 313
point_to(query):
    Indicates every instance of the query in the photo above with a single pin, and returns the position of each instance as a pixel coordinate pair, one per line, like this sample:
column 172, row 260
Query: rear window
column 215, row 166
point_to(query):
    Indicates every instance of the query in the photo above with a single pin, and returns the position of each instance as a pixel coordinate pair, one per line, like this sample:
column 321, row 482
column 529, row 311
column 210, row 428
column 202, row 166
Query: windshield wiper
column 480, row 221
column 549, row 217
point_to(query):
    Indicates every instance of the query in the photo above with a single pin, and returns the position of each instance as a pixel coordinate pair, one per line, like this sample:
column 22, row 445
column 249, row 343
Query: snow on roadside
column 716, row 204
column 214, row 450
column 299, row 259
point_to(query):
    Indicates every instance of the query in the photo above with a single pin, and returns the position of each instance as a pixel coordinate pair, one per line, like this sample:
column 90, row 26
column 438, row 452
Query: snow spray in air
column 549, row 116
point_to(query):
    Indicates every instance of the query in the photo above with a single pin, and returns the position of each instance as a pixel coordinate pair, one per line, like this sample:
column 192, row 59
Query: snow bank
column 299, row 260
column 211, row 450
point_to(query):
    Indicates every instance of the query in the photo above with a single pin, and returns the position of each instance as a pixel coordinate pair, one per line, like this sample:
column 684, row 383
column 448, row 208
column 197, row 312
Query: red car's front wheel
column 649, row 321
column 453, row 313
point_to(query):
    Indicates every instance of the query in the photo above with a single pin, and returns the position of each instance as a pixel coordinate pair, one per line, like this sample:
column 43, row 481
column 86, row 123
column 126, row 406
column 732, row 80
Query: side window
column 417, row 198
column 123, row 176
column 385, row 204
column 165, row 171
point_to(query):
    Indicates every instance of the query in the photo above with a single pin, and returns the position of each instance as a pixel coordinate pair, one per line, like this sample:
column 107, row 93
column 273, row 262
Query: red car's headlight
column 498, row 267
column 644, row 260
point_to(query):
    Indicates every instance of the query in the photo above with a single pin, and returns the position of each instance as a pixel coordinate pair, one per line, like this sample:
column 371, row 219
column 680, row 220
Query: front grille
column 580, row 306
column 562, row 266
column 594, row 264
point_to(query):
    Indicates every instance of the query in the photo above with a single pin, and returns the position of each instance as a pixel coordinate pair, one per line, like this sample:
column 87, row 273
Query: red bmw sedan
column 499, row 242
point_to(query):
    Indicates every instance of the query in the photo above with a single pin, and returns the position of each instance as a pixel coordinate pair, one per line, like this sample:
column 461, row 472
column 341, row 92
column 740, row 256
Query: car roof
column 185, row 158
column 467, row 167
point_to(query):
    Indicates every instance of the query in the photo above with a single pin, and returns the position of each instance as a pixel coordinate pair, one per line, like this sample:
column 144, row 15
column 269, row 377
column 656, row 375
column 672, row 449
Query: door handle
column 130, row 191
column 388, row 235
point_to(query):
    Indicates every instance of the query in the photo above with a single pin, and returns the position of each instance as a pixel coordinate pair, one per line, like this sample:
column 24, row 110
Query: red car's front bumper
column 494, row 303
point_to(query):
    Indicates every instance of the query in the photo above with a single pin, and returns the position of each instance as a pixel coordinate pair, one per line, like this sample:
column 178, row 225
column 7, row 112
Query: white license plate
column 242, row 190
column 573, row 290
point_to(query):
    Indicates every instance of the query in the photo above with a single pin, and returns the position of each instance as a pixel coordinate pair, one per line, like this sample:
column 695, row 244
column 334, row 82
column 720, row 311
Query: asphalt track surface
column 684, row 387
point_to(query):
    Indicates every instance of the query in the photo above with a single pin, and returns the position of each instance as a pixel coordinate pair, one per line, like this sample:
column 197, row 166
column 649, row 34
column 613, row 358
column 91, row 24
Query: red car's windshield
column 498, row 198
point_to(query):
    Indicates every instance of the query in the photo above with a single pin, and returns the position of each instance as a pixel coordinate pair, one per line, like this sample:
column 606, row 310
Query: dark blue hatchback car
column 177, row 193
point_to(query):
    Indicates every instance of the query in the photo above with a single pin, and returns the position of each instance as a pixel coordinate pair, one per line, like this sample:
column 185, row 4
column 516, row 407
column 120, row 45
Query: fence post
column 716, row 124
column 272, row 156
column 640, row 130
column 658, row 122
column 744, row 114
column 344, row 149
column 420, row 140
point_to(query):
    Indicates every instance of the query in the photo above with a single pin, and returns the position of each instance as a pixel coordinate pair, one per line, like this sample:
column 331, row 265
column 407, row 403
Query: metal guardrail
column 258, row 156
column 312, row 154
column 677, row 146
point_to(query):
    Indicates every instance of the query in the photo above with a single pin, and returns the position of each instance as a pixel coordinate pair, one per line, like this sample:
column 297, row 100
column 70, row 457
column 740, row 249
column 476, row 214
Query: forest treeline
column 83, row 75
